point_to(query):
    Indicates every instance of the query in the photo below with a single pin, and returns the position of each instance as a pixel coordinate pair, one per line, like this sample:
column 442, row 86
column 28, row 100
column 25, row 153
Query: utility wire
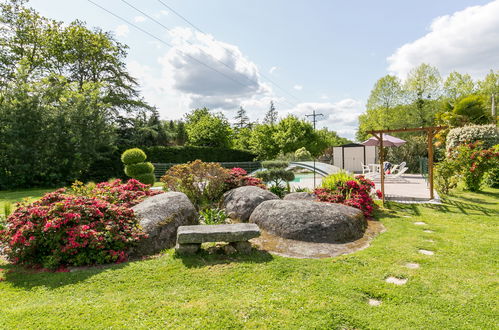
column 232, row 54
column 164, row 42
column 189, row 42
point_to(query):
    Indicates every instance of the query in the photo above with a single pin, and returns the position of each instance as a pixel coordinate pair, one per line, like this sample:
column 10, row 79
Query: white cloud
column 139, row 19
column 341, row 116
column 186, row 80
column 122, row 30
column 466, row 41
column 298, row 87
column 272, row 69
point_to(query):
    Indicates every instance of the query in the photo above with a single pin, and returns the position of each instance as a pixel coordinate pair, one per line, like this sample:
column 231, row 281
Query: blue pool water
column 299, row 176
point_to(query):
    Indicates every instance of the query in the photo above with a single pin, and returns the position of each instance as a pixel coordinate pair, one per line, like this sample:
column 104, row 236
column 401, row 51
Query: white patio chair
column 365, row 169
column 397, row 176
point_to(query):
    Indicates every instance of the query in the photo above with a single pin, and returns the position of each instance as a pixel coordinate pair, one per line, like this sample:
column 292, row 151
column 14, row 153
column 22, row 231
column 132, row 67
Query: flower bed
column 356, row 192
column 76, row 227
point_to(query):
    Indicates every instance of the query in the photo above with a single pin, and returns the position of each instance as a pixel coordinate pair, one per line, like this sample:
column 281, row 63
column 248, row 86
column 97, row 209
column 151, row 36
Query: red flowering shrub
column 355, row 193
column 472, row 161
column 238, row 178
column 93, row 226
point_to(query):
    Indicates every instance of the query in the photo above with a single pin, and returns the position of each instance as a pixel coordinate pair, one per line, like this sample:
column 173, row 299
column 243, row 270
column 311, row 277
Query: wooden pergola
column 431, row 131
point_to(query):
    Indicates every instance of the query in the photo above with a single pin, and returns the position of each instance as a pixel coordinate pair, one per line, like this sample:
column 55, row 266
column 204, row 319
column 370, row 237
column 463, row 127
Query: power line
column 189, row 42
column 164, row 42
column 232, row 54
column 314, row 116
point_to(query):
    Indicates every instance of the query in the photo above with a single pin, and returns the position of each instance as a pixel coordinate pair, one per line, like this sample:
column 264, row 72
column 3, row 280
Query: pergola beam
column 431, row 131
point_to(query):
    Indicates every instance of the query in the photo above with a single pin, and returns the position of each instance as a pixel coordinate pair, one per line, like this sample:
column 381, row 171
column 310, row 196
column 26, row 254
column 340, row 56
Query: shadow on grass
column 203, row 258
column 409, row 209
column 27, row 278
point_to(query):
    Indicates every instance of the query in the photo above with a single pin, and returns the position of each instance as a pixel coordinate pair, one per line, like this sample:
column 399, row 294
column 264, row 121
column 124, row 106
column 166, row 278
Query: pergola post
column 431, row 133
column 430, row 161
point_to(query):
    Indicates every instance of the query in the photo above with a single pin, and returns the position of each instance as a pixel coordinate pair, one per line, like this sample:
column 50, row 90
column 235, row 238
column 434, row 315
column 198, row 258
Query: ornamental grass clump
column 343, row 188
column 76, row 227
column 136, row 166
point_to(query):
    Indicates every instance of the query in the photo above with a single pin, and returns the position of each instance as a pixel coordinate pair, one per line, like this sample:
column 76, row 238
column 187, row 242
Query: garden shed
column 351, row 156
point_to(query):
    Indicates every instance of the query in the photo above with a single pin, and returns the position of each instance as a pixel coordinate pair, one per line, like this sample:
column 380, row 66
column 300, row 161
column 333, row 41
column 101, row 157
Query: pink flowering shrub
column 356, row 193
column 472, row 162
column 238, row 177
column 64, row 229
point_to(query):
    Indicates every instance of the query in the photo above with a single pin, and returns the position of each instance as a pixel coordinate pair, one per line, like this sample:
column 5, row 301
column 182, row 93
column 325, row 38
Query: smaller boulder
column 160, row 216
column 240, row 202
column 300, row 196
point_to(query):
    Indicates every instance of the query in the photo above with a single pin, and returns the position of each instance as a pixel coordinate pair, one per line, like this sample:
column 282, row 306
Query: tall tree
column 271, row 115
column 423, row 84
column 241, row 118
column 386, row 93
column 207, row 129
column 457, row 86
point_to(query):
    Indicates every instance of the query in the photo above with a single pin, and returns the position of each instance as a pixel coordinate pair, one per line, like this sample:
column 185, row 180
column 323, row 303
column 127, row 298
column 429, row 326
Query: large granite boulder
column 310, row 221
column 160, row 216
column 240, row 202
column 300, row 196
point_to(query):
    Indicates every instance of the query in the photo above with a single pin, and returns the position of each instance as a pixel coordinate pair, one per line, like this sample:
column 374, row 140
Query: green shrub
column 335, row 180
column 278, row 190
column 446, row 176
column 204, row 183
column 488, row 134
column 146, row 178
column 303, row 154
column 134, row 170
column 276, row 176
column 185, row 154
column 133, row 156
column 491, row 178
column 473, row 162
column 213, row 216
column 270, row 164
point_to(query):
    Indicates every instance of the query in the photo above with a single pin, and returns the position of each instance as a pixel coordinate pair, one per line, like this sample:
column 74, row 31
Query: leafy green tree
column 262, row 141
column 423, row 84
column 206, row 129
column 242, row 139
column 386, row 93
column 458, row 85
column 271, row 115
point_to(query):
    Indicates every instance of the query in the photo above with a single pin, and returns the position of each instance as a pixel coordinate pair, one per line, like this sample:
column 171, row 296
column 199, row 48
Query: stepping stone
column 396, row 280
column 420, row 223
column 426, row 252
column 374, row 302
column 428, row 231
column 412, row 265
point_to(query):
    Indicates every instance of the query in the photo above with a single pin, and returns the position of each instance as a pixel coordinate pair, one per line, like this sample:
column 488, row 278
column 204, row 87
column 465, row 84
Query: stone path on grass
column 409, row 265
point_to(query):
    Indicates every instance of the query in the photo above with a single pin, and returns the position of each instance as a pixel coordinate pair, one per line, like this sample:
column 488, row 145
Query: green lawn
column 13, row 196
column 457, row 288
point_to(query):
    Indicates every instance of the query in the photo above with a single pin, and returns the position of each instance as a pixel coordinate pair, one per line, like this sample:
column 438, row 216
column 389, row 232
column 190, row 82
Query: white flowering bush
column 488, row 134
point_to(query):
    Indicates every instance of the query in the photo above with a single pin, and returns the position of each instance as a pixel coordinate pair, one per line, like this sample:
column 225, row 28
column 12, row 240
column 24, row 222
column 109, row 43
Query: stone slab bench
column 189, row 238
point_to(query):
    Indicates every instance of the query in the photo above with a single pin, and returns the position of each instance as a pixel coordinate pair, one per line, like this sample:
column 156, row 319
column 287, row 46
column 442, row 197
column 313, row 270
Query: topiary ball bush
column 146, row 178
column 132, row 156
column 134, row 170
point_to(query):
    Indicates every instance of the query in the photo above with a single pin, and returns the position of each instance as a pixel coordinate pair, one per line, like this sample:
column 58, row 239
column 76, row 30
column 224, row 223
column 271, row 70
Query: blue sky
column 326, row 54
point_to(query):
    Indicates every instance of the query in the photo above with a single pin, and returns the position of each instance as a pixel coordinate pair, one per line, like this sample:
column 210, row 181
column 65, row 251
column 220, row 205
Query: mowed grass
column 14, row 196
column 456, row 288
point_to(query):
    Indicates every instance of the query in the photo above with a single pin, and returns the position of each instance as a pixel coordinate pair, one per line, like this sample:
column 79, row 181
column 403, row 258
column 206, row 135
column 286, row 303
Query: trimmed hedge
column 133, row 156
column 184, row 154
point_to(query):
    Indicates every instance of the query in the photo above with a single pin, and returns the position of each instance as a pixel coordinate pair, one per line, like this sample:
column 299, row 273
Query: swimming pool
column 301, row 176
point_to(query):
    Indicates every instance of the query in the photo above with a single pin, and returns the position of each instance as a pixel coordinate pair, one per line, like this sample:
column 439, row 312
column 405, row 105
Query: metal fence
column 161, row 168
column 423, row 167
